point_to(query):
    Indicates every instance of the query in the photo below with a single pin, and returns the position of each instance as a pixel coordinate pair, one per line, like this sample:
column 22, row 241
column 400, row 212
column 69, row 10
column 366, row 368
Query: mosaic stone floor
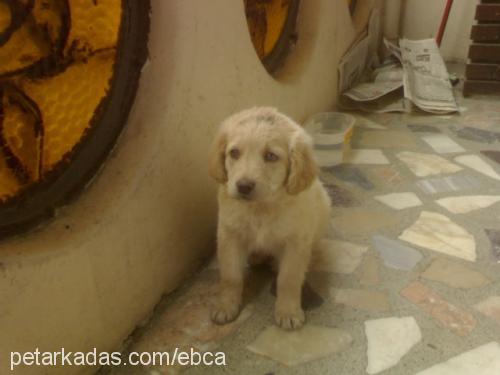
column 409, row 285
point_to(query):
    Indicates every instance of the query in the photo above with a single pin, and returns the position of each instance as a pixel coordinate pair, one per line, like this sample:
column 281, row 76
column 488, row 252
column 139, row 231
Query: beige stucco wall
column 421, row 19
column 91, row 275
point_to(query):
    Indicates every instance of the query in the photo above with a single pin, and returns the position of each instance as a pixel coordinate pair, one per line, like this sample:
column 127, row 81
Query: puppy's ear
column 217, row 168
column 302, row 166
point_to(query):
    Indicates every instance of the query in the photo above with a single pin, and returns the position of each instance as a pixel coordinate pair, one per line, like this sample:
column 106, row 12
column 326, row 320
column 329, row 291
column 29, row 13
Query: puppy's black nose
column 245, row 187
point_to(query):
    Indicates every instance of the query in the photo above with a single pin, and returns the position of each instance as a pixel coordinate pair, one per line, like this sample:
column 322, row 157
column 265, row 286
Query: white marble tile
column 389, row 339
column 443, row 144
column 362, row 156
column 338, row 257
column 305, row 345
column 447, row 184
column 437, row 232
column 478, row 164
column 467, row 203
column 483, row 360
column 424, row 165
column 399, row 201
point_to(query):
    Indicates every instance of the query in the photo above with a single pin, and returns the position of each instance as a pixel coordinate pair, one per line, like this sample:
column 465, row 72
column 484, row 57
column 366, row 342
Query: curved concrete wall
column 90, row 276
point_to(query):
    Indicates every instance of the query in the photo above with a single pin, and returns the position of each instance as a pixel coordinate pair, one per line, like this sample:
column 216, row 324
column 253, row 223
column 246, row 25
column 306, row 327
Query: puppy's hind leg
column 293, row 266
column 232, row 260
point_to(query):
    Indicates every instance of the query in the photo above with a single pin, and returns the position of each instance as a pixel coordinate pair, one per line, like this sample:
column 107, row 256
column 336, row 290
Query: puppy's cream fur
column 286, row 214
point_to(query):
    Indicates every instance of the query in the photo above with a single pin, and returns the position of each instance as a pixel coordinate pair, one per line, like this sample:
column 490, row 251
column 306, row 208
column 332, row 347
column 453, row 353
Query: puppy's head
column 260, row 153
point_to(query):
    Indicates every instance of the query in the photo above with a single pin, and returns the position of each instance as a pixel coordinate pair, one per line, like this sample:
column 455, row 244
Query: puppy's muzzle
column 245, row 187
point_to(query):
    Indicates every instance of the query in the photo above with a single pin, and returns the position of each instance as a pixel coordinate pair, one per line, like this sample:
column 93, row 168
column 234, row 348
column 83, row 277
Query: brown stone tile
column 392, row 139
column 304, row 345
column 447, row 315
column 493, row 155
column 386, row 175
column 356, row 222
column 367, row 300
column 454, row 274
column 368, row 271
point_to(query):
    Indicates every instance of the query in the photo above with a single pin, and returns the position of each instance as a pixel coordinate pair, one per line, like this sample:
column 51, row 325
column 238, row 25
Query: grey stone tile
column 493, row 155
column 341, row 197
column 494, row 236
column 395, row 254
column 350, row 174
column 476, row 135
column 423, row 128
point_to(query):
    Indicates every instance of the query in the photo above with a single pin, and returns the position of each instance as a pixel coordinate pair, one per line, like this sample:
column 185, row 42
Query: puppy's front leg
column 292, row 270
column 232, row 259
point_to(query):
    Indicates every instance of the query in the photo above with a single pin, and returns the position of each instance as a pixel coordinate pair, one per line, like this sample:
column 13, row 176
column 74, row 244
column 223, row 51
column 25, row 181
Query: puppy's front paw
column 224, row 313
column 289, row 319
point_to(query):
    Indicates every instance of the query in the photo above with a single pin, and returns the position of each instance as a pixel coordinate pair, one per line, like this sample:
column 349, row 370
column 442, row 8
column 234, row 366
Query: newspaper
column 353, row 65
column 385, row 79
column 361, row 56
column 415, row 74
column 393, row 50
column 383, row 93
column 426, row 80
column 392, row 102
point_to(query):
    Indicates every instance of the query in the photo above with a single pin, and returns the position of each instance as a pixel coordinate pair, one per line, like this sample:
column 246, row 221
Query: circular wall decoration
column 69, row 70
column 272, row 28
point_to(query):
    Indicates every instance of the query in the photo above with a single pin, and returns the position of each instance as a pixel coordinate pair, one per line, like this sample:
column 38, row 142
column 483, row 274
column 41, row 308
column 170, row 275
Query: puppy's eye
column 270, row 156
column 234, row 153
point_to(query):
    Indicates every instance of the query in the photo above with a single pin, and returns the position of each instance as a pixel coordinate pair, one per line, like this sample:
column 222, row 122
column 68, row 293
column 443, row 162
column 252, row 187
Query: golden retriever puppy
column 270, row 202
